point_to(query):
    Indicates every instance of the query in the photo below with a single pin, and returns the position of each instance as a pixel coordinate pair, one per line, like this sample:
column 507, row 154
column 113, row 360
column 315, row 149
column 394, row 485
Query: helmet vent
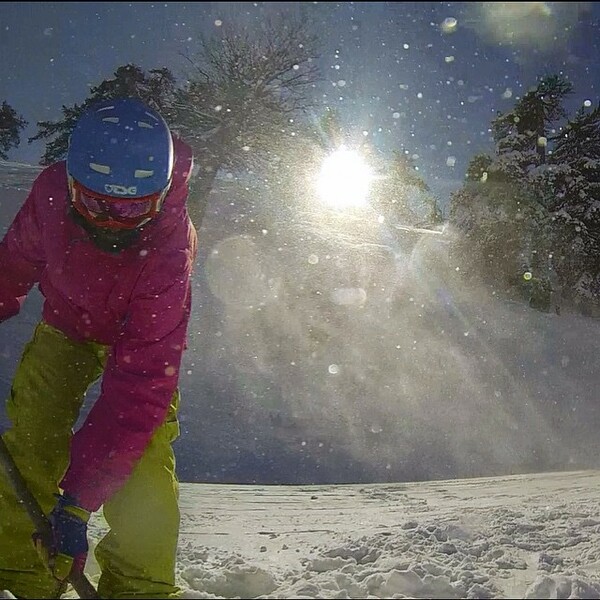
column 142, row 173
column 104, row 169
column 124, row 145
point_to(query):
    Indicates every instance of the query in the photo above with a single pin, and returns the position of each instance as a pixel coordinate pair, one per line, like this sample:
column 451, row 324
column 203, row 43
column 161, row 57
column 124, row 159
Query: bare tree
column 238, row 106
column 240, row 100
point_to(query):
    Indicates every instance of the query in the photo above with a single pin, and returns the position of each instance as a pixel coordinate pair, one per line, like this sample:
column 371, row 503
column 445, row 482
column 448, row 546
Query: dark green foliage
column 402, row 195
column 537, row 208
column 11, row 125
column 478, row 168
column 526, row 127
column 156, row 88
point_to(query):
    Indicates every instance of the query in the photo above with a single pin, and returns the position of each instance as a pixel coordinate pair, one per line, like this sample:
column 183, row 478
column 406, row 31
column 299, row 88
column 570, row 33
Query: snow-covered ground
column 524, row 536
column 323, row 355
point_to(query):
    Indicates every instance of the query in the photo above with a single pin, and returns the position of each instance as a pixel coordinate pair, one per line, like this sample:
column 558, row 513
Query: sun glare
column 344, row 179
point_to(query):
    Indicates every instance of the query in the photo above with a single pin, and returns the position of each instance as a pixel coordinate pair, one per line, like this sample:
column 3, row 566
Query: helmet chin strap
column 108, row 240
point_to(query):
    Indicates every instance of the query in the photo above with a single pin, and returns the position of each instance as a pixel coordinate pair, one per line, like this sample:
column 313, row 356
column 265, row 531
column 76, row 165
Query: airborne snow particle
column 334, row 369
column 449, row 25
column 218, row 23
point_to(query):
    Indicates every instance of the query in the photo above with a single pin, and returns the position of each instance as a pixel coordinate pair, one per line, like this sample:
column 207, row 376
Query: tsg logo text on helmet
column 120, row 190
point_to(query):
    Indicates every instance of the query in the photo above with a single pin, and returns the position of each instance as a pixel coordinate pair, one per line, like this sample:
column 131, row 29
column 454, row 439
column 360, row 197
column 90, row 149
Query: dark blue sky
column 424, row 76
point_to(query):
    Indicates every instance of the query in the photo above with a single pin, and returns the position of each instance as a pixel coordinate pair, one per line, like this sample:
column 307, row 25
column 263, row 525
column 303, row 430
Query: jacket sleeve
column 139, row 381
column 22, row 257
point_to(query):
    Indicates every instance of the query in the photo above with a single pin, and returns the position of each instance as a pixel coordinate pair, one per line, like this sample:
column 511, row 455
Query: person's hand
column 68, row 548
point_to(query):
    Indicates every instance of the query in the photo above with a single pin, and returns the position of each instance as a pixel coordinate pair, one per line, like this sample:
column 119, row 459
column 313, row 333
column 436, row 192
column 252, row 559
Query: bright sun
column 344, row 179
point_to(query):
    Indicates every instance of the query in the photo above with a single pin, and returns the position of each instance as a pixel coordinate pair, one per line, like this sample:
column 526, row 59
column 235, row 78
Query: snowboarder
column 107, row 236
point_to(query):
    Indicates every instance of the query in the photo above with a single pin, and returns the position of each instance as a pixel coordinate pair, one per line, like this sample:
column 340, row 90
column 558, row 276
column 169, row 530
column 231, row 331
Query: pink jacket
column 137, row 302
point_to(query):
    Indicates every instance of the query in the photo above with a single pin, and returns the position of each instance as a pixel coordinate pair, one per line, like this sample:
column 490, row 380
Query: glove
column 69, row 546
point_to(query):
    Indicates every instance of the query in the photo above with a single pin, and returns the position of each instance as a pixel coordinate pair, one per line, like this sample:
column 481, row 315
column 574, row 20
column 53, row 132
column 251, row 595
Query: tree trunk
column 200, row 192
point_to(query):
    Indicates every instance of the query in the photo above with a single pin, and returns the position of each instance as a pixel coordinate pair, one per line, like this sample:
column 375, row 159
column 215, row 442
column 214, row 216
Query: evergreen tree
column 572, row 194
column 521, row 134
column 402, row 195
column 495, row 220
column 519, row 202
column 11, row 125
column 577, row 145
column 155, row 88
column 478, row 168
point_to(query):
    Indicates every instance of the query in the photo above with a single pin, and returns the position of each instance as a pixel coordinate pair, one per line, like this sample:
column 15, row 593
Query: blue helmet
column 121, row 148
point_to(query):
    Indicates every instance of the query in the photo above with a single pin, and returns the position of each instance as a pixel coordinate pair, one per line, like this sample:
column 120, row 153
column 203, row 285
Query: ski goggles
column 114, row 212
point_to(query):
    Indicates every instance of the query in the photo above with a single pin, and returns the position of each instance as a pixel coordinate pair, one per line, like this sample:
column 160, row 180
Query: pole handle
column 79, row 581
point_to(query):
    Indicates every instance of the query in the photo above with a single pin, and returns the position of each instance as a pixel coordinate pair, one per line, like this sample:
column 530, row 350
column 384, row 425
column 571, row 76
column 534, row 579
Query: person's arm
column 22, row 257
column 140, row 379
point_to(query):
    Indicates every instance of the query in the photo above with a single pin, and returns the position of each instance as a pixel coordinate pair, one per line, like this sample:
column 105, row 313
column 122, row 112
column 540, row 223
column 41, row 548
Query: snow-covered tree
column 495, row 219
column 507, row 211
column 521, row 135
column 572, row 194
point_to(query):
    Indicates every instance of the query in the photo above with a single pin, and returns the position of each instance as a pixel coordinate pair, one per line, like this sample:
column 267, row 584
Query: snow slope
column 524, row 536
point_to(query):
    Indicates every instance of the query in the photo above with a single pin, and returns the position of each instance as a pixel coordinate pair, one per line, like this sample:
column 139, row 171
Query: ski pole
column 79, row 581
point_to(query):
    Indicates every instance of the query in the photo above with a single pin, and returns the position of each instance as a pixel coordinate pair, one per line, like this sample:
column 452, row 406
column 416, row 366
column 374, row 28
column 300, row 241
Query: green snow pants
column 137, row 555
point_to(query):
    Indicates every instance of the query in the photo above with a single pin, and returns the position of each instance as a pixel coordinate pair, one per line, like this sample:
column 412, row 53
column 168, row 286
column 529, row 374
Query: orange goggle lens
column 114, row 212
